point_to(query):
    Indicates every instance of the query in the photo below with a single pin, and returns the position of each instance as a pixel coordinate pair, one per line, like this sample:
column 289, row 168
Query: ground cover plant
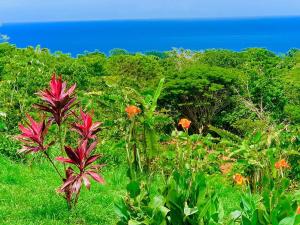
column 186, row 137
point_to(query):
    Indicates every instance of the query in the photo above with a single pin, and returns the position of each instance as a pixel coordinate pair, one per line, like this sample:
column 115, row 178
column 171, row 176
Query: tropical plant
column 274, row 206
column 58, row 102
column 141, row 137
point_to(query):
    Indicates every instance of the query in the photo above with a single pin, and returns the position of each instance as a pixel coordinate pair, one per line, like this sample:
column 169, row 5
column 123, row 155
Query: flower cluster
column 132, row 111
column 184, row 123
column 282, row 164
column 239, row 179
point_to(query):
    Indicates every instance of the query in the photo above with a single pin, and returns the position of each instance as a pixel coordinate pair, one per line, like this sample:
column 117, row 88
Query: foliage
column 274, row 206
column 200, row 93
column 184, row 199
column 58, row 102
column 219, row 126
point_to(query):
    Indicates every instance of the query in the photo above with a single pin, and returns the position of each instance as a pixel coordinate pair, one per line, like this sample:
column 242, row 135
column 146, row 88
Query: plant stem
column 77, row 196
column 129, row 150
column 52, row 163
column 61, row 142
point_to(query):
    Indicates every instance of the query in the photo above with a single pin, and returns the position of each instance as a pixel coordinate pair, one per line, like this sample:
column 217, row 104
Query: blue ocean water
column 276, row 34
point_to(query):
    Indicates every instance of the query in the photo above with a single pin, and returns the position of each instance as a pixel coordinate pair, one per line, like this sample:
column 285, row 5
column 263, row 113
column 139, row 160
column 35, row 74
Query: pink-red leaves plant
column 33, row 135
column 87, row 129
column 82, row 159
column 57, row 99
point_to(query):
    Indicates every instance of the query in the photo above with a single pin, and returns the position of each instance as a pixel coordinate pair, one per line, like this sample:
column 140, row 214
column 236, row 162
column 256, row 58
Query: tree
column 200, row 92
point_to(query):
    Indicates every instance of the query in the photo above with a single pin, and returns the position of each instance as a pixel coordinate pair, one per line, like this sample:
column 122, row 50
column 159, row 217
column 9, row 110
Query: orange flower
column 239, row 179
column 298, row 210
column 185, row 123
column 284, row 163
column 132, row 110
column 277, row 165
column 281, row 164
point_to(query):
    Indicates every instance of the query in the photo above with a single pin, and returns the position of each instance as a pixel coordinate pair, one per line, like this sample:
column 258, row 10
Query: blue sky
column 65, row 10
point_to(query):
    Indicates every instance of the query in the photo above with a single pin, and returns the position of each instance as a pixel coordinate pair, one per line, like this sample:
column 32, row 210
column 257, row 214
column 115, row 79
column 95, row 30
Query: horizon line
column 157, row 19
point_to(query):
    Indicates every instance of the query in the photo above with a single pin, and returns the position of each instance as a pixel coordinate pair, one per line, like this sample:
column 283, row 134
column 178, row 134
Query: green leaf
column 134, row 222
column 189, row 211
column 134, row 189
column 235, row 214
column 287, row 221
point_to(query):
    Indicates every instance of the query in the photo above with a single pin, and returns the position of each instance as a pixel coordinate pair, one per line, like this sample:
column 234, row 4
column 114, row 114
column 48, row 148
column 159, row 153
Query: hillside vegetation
column 185, row 137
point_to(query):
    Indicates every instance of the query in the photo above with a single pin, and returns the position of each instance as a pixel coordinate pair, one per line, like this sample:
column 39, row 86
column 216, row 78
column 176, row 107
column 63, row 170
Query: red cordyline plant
column 87, row 129
column 33, row 135
column 58, row 101
column 82, row 159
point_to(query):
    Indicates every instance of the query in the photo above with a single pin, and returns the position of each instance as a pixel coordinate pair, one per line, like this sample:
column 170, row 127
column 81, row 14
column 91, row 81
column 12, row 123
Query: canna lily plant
column 58, row 101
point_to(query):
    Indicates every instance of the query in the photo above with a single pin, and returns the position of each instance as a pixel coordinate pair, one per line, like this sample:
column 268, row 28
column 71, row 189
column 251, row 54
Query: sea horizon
column 278, row 34
column 158, row 19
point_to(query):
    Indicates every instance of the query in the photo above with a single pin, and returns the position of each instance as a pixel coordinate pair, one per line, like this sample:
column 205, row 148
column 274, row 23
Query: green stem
column 61, row 142
column 52, row 163
column 128, row 149
column 77, row 196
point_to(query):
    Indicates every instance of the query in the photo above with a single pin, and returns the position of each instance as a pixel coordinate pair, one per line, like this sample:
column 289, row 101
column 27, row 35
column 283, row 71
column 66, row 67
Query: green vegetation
column 186, row 137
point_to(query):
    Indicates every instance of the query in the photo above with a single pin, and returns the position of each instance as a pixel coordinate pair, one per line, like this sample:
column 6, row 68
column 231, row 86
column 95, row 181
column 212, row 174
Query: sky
column 77, row 10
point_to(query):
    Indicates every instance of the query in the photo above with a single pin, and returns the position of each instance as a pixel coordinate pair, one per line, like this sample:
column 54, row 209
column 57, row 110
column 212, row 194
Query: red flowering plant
column 58, row 102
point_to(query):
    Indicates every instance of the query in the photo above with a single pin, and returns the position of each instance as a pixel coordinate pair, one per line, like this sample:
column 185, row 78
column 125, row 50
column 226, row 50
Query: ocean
column 276, row 34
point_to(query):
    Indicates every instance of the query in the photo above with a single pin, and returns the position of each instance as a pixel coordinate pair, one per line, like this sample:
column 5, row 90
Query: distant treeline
column 233, row 90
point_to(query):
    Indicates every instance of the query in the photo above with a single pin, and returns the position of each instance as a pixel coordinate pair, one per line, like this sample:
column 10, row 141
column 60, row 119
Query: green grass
column 28, row 196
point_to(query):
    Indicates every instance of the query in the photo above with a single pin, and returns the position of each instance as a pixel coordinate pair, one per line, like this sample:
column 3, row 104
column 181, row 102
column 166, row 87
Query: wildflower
column 281, row 164
column 81, row 158
column 87, row 129
column 298, row 210
column 277, row 165
column 33, row 135
column 284, row 163
column 132, row 111
column 57, row 100
column 185, row 123
column 239, row 179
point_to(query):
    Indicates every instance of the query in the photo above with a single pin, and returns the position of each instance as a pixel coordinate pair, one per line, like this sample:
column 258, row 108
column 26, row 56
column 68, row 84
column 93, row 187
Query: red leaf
column 86, row 181
column 71, row 154
column 96, row 177
column 91, row 159
column 91, row 148
column 68, row 182
column 65, row 160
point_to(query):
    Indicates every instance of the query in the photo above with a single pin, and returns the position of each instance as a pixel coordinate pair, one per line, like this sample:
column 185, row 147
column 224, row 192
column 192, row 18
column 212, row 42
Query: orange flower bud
column 298, row 210
column 185, row 123
column 239, row 179
column 132, row 110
